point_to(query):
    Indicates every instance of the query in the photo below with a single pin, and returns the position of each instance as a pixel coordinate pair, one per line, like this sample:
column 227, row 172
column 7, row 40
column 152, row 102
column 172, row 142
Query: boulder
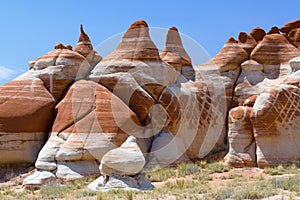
column 128, row 159
column 258, row 34
column 138, row 182
column 247, row 42
column 273, row 30
column 127, row 88
column 39, row 178
column 295, row 63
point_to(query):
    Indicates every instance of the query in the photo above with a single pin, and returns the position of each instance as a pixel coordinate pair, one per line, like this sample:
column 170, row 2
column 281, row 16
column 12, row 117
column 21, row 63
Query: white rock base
column 113, row 182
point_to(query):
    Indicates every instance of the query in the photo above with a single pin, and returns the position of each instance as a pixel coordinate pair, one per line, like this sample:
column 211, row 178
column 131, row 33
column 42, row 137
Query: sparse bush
column 180, row 183
column 291, row 183
column 186, row 169
column 202, row 164
column 280, row 170
column 216, row 167
column 158, row 175
column 202, row 176
column 245, row 190
column 129, row 195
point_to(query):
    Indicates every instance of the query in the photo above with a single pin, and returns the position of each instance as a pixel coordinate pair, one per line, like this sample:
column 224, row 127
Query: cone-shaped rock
column 137, row 55
column 175, row 54
column 247, row 42
column 290, row 26
column 258, row 33
column 136, row 44
column 274, row 49
column 229, row 58
column 84, row 45
column 85, row 48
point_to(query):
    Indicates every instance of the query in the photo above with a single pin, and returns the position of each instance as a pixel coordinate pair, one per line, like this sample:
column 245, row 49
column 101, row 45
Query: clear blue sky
column 31, row 28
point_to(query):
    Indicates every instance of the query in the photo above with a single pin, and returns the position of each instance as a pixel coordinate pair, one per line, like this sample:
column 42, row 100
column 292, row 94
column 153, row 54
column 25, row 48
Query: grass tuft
column 158, row 175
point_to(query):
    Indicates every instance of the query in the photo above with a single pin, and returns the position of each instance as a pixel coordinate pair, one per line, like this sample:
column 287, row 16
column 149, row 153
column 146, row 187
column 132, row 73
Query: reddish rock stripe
column 274, row 49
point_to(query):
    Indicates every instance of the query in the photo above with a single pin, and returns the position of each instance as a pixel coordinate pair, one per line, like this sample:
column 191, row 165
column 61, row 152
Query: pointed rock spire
column 84, row 45
column 174, row 52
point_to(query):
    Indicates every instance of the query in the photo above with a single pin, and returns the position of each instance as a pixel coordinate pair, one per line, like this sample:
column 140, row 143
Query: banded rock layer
column 85, row 107
column 263, row 127
column 134, row 91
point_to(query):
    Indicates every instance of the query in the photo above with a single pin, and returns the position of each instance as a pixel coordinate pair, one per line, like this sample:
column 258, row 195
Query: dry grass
column 187, row 181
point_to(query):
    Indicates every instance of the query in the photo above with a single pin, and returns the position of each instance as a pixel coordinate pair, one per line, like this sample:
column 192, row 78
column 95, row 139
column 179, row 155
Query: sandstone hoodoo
column 175, row 54
column 75, row 114
column 133, row 92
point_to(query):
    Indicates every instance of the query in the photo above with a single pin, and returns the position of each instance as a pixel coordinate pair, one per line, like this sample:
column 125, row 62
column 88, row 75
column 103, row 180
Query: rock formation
column 34, row 96
column 175, row 54
column 128, row 159
column 247, row 42
column 121, row 168
column 265, row 99
column 290, row 26
column 134, row 91
column 27, row 110
column 75, row 114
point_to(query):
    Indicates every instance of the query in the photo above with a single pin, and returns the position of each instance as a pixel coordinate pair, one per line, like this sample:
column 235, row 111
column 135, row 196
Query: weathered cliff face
column 87, row 109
